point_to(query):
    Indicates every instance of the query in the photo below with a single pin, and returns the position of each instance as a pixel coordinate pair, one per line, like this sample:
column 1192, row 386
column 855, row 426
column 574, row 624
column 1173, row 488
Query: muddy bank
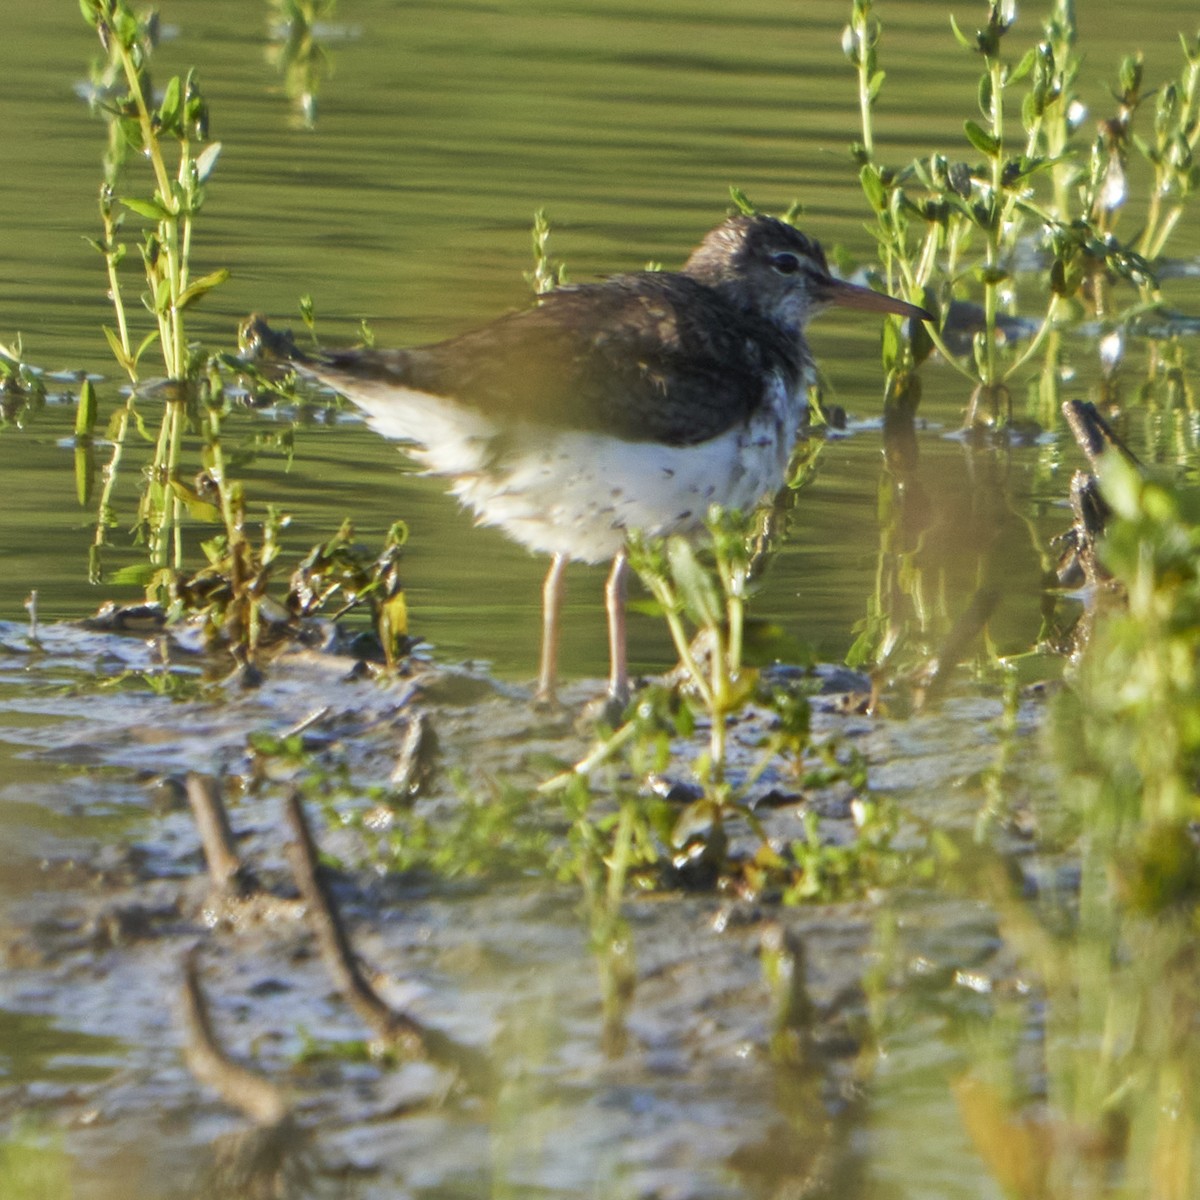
column 105, row 890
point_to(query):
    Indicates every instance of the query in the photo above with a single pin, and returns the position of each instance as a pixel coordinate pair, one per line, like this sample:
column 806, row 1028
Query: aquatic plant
column 20, row 383
column 171, row 138
column 948, row 228
column 296, row 52
column 1131, row 719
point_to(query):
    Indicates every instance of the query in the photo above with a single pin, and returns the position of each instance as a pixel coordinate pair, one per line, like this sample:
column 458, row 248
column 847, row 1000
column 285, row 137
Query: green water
column 441, row 130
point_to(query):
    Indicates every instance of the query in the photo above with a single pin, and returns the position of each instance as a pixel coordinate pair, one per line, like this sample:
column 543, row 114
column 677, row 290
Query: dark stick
column 216, row 834
column 342, row 964
column 252, row 1094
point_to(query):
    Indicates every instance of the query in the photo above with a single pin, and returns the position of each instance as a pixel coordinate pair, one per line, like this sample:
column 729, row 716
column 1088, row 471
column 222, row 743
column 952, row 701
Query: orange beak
column 849, row 295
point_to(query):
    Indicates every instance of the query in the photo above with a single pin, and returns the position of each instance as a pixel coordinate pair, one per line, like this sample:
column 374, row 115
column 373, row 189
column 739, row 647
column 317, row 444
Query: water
column 441, row 130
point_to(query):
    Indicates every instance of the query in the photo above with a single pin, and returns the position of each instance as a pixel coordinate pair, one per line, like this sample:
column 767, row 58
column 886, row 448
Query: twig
column 216, row 834
column 304, row 725
column 252, row 1094
column 340, row 961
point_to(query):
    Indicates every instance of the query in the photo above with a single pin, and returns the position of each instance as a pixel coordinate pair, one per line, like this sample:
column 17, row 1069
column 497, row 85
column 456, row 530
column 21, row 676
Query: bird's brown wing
column 654, row 356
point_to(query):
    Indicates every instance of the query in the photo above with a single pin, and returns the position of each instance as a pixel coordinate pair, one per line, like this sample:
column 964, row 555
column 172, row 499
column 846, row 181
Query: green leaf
column 872, row 186
column 123, row 360
column 969, row 43
column 1121, row 484
column 198, row 509
column 392, row 626
column 146, row 208
column 85, row 410
column 985, row 94
column 983, row 141
column 195, row 290
column 1029, row 110
column 168, row 110
column 139, row 423
column 85, row 470
column 214, row 549
column 741, row 201
column 891, row 345
column 646, row 606
column 145, row 345
column 990, row 275
column 139, row 574
column 696, row 589
column 876, row 85
column 1024, row 66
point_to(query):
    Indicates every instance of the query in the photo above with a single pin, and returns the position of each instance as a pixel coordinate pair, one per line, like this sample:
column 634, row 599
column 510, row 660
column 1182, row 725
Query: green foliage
column 546, row 274
column 140, row 132
column 125, row 96
column 713, row 601
column 1116, row 1093
column 230, row 593
column 1133, row 715
column 296, row 52
column 489, row 834
column 20, row 384
column 343, row 570
column 951, row 228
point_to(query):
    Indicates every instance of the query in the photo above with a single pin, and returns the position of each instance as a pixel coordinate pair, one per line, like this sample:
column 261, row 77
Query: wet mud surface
column 104, row 891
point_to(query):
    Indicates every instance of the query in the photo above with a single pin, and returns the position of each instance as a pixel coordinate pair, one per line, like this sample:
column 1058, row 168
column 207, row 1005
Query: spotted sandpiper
column 631, row 404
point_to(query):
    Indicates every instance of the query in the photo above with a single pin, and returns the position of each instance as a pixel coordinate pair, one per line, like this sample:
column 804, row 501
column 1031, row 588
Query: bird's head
column 768, row 267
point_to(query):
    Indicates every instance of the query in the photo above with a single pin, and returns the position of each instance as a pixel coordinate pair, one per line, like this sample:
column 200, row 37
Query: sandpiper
column 634, row 403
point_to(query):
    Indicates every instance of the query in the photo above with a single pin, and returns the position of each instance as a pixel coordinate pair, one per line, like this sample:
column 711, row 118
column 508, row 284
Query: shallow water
column 442, row 128
column 440, row 132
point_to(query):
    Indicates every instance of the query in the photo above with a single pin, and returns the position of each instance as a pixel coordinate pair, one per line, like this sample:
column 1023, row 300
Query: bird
column 633, row 403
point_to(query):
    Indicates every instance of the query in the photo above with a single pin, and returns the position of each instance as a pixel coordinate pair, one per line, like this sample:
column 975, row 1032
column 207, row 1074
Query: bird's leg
column 552, row 597
column 614, row 602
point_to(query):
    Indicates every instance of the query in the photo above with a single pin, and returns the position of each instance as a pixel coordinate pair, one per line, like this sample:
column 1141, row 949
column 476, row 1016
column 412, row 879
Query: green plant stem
column 111, row 472
column 864, row 88
column 175, row 416
column 995, row 233
column 114, row 285
column 1035, row 343
column 1163, row 232
column 600, row 754
column 666, row 598
column 169, row 323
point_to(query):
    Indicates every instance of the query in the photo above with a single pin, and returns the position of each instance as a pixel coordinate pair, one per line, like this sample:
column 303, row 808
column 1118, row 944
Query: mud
column 104, row 891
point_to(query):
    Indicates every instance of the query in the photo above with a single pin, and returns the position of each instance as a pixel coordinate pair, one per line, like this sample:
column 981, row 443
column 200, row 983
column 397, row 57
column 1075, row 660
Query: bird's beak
column 849, row 295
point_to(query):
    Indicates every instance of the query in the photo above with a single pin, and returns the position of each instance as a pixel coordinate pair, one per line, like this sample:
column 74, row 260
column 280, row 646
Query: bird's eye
column 785, row 263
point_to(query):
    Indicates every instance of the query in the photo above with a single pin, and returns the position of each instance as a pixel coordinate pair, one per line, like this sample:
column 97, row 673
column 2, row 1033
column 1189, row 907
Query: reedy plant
column 932, row 215
column 176, row 129
column 296, row 52
column 20, row 383
column 715, row 603
column 170, row 136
